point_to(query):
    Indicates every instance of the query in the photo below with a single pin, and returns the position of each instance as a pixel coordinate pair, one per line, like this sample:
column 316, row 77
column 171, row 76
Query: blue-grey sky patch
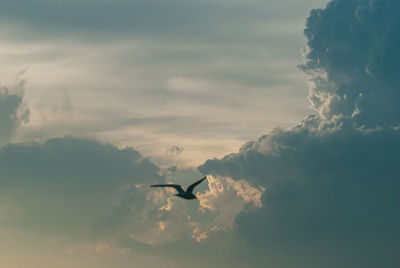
column 177, row 18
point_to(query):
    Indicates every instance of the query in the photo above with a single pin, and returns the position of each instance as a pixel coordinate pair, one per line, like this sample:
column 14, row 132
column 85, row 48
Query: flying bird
column 188, row 194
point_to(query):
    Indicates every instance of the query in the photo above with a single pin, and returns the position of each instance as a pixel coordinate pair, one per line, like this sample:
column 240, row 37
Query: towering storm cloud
column 353, row 56
column 331, row 181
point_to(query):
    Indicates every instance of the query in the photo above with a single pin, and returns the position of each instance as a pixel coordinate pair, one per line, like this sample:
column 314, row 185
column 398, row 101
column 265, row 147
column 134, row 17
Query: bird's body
column 188, row 194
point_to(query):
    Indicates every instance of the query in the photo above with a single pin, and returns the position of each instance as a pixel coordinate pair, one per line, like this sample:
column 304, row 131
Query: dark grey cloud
column 13, row 111
column 331, row 198
column 64, row 185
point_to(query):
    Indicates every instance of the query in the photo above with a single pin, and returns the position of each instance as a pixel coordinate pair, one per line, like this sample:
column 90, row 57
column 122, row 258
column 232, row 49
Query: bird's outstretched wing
column 191, row 187
column 176, row 186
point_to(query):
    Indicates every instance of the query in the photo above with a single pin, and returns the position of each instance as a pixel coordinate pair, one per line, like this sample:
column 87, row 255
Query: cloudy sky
column 205, row 76
column 291, row 109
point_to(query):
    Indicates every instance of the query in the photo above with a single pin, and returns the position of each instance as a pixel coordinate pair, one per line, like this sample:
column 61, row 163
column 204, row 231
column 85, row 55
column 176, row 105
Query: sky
column 291, row 110
column 206, row 77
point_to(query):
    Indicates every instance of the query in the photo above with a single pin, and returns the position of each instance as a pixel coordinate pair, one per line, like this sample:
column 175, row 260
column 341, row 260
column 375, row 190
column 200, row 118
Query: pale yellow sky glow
column 86, row 90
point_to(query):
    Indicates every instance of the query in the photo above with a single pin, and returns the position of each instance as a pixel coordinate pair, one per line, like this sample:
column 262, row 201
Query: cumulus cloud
column 64, row 185
column 331, row 180
column 98, row 196
column 227, row 198
column 353, row 56
column 13, row 111
column 149, row 216
column 156, row 217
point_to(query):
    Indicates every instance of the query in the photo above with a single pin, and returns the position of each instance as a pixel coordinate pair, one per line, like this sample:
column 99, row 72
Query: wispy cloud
column 219, row 68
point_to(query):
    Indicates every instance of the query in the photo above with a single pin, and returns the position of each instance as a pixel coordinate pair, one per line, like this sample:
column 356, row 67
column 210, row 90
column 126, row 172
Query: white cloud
column 227, row 198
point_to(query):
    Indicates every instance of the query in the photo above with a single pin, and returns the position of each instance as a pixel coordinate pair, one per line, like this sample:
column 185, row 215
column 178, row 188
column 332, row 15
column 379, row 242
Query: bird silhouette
column 188, row 194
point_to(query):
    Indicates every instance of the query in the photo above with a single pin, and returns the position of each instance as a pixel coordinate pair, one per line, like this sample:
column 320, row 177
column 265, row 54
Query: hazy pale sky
column 290, row 108
column 204, row 76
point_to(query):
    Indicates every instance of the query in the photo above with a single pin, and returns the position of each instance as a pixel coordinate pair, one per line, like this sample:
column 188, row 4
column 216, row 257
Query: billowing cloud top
column 353, row 57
